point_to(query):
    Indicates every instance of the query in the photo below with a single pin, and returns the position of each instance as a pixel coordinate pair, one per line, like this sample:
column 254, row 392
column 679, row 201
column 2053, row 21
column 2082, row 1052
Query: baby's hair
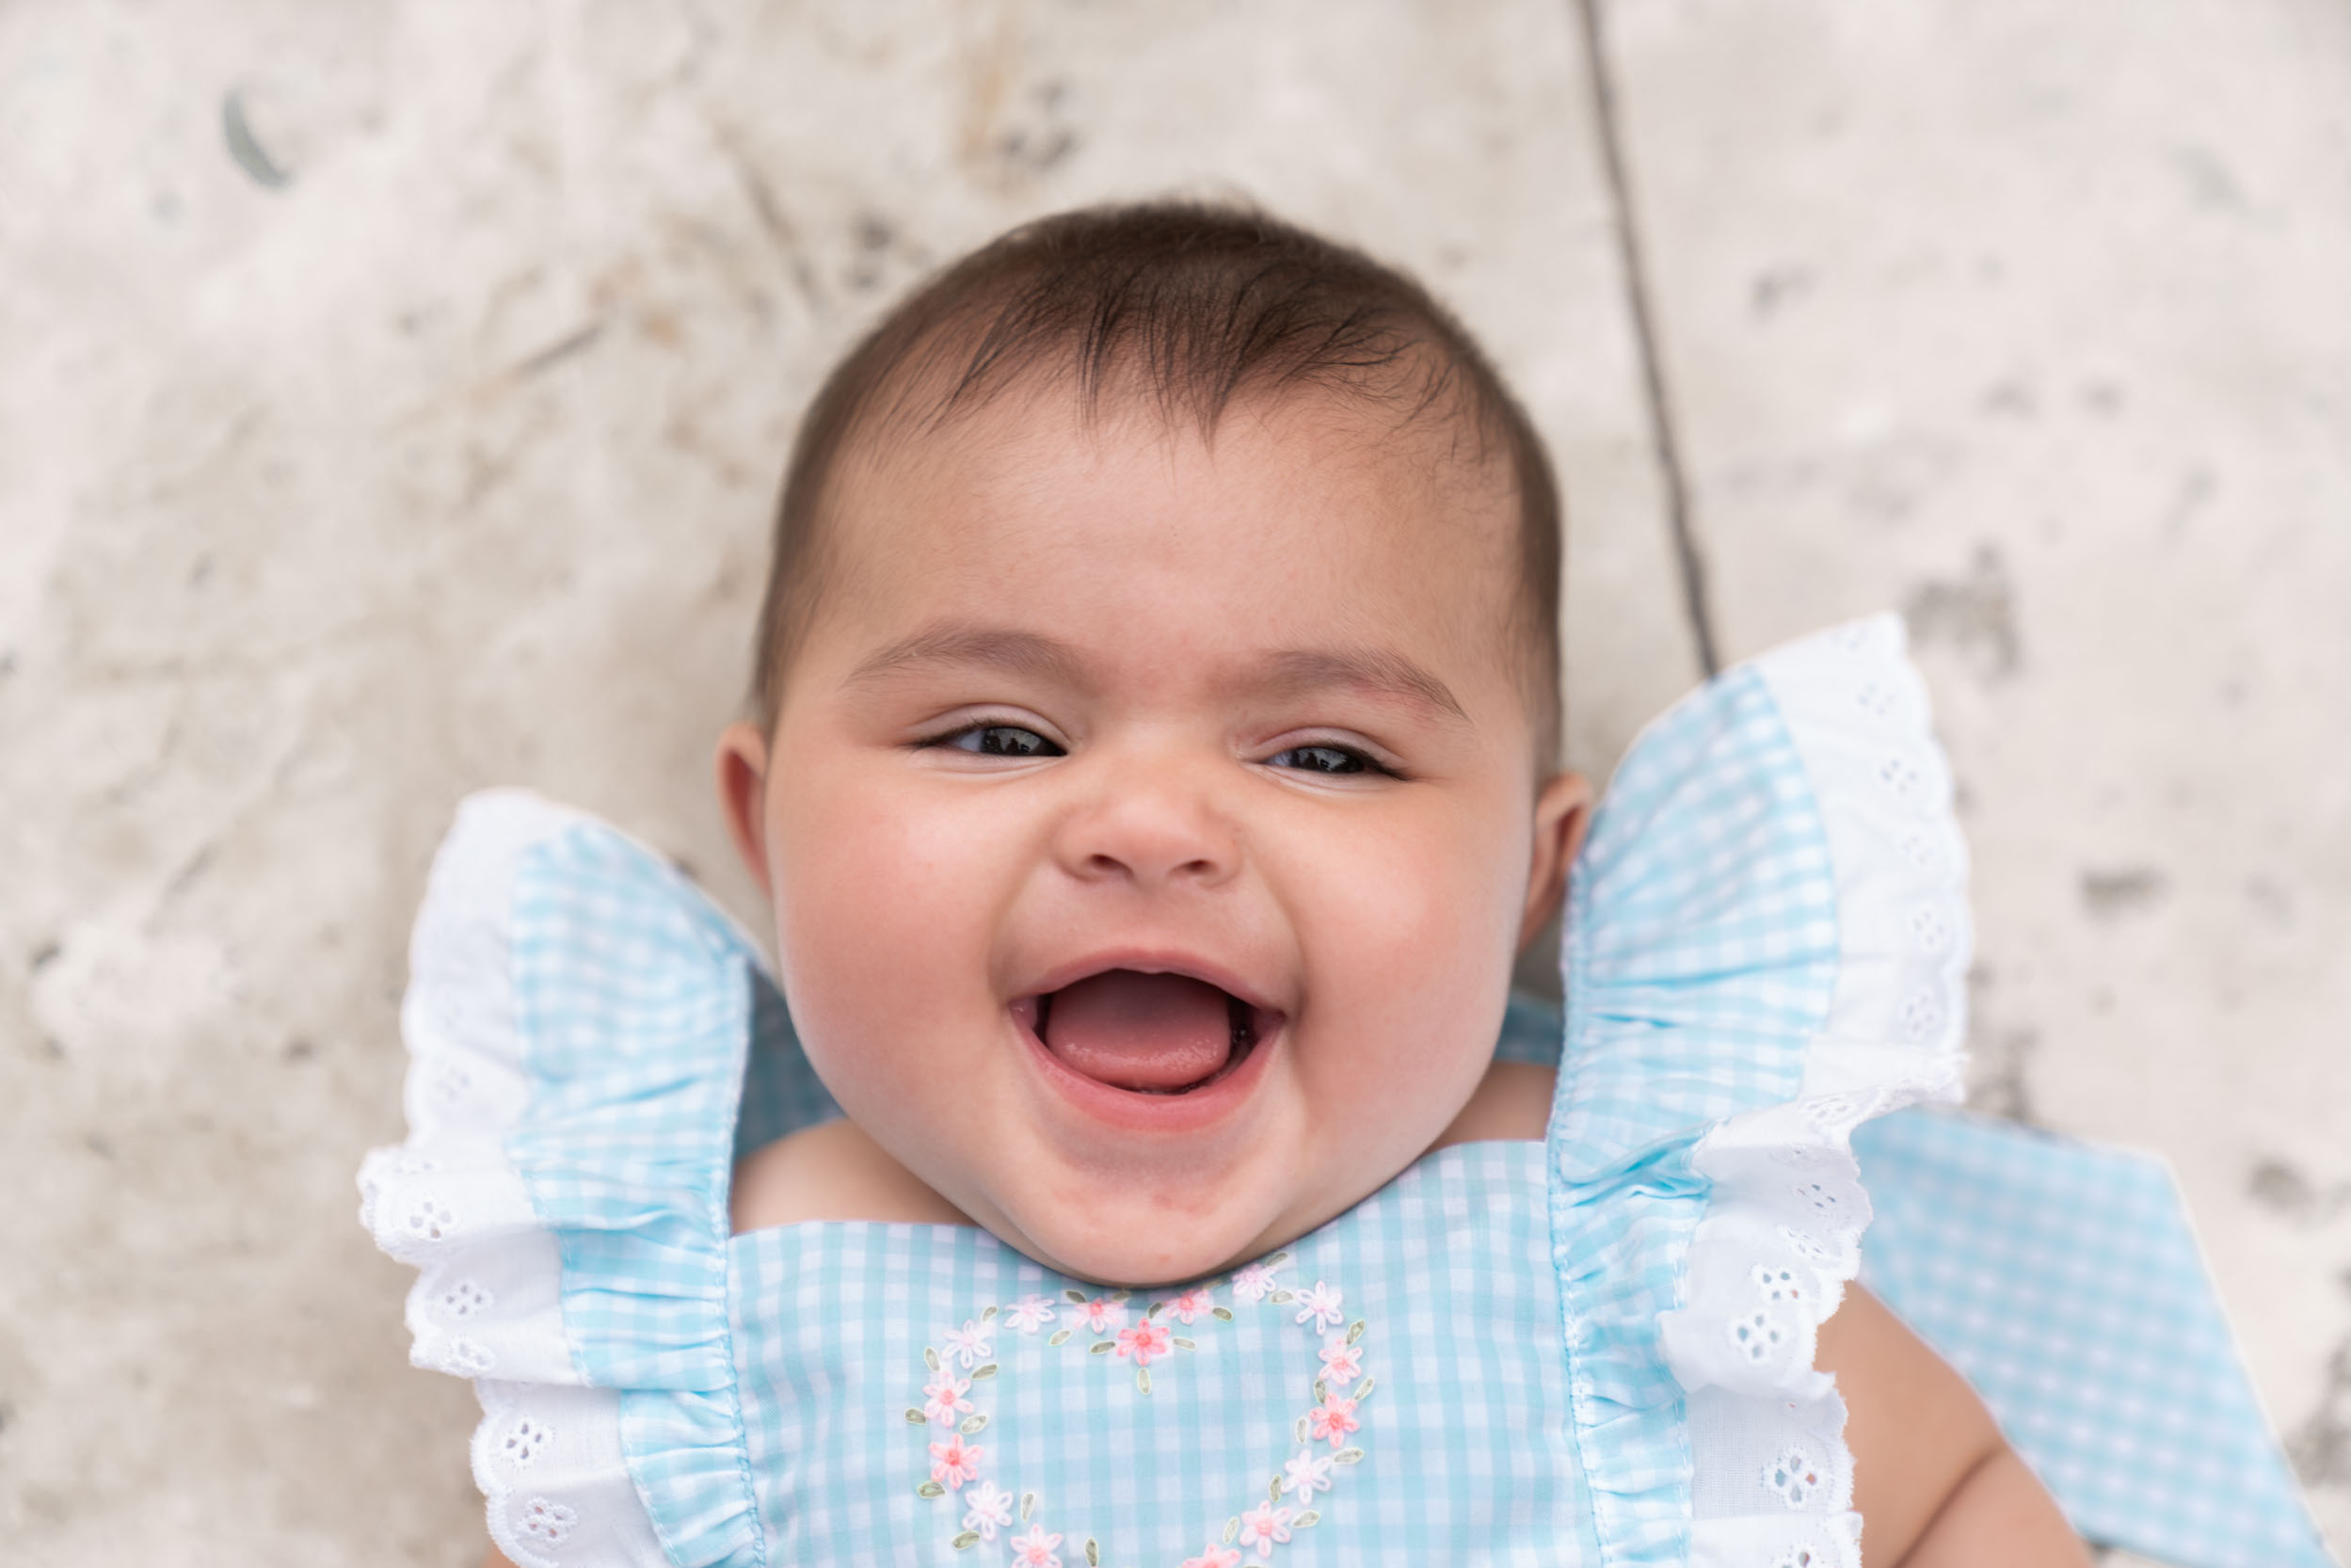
column 1191, row 306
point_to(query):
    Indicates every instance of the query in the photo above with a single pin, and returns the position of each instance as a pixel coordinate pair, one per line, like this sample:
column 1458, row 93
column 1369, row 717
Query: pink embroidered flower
column 1333, row 1419
column 943, row 1398
column 955, row 1462
column 1192, row 1304
column 1144, row 1340
column 1213, row 1555
column 1320, row 1307
column 1306, row 1475
column 1036, row 1549
column 1341, row 1361
column 1264, row 1526
column 1029, row 1313
column 972, row 1343
column 1102, row 1315
column 1253, row 1281
column 991, row 1509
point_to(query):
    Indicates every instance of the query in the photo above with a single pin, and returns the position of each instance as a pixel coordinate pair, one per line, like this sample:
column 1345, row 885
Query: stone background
column 392, row 396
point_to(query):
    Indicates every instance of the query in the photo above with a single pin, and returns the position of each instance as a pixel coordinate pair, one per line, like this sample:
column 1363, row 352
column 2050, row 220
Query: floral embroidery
column 1030, row 1313
column 1101, row 1315
column 1193, row 1305
column 1306, row 1475
column 954, row 1462
column 1341, row 1360
column 970, row 1344
column 991, row 1509
column 1255, row 1282
column 943, row 1398
column 1144, row 1340
column 1036, row 1549
column 1333, row 1419
column 1263, row 1526
column 1320, row 1307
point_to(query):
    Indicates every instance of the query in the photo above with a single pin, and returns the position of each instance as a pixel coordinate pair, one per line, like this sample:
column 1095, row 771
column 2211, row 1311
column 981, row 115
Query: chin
column 1140, row 1248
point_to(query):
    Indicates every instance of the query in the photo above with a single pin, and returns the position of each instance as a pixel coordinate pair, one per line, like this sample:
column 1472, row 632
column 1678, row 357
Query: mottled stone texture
column 417, row 431
column 2035, row 322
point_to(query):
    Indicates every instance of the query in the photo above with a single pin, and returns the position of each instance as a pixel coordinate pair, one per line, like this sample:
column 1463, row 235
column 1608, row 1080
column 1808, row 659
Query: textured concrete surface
column 2034, row 321
column 416, row 432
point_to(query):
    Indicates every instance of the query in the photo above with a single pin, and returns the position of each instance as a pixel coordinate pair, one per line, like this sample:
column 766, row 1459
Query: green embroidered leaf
column 1028, row 1505
column 1232, row 1529
column 1280, row 1296
column 1061, row 1336
column 1307, row 1520
column 1224, row 1314
column 1121, row 1295
column 915, row 1418
column 1093, row 1553
column 1348, row 1456
column 1277, row 1259
column 1153, row 1310
column 929, row 1489
column 1142, row 1381
column 1322, row 1390
column 985, row 1372
column 1354, row 1331
column 964, row 1541
column 1182, row 1344
column 930, row 1358
column 973, row 1425
column 1100, row 1347
column 1363, row 1390
column 1077, row 1296
column 1273, row 1490
column 1302, row 1429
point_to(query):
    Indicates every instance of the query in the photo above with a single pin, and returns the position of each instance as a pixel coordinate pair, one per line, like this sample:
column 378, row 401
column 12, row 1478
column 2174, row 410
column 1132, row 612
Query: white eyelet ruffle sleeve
column 576, row 1016
column 1767, row 942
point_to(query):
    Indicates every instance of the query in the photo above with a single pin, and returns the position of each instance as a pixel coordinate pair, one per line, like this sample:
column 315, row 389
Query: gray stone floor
column 415, row 432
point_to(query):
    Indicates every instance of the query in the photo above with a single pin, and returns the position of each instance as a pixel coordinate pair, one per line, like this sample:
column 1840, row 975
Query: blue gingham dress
column 1597, row 1350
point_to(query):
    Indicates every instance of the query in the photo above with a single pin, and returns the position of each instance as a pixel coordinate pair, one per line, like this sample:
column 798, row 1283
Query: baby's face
column 1151, row 822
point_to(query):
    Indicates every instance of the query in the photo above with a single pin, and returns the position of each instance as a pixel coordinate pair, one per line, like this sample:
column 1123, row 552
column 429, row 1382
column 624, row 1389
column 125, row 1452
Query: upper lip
column 1151, row 960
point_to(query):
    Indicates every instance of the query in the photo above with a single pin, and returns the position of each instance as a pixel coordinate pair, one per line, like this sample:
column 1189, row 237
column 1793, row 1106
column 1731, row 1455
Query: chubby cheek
column 1402, row 1055
column 884, row 915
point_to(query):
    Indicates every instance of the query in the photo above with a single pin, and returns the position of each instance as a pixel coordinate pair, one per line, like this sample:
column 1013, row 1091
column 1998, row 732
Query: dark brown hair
column 1192, row 306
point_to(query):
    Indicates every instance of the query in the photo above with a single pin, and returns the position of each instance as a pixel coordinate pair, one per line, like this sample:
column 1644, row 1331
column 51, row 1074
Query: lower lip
column 1131, row 1111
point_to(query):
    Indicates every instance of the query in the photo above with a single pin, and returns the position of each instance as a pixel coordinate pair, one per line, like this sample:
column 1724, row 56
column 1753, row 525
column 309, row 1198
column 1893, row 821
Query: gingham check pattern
column 634, row 998
column 1701, row 959
column 2064, row 1281
column 1467, row 1452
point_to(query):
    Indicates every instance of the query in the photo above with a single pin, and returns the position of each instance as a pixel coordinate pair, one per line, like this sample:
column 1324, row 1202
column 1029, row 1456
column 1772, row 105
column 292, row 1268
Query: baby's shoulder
column 832, row 1170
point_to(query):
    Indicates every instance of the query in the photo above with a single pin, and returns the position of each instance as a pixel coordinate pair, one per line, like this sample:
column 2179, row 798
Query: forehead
column 1293, row 521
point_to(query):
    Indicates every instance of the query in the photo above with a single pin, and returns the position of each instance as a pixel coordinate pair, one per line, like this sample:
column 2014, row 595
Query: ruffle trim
column 585, row 1295
column 1793, row 817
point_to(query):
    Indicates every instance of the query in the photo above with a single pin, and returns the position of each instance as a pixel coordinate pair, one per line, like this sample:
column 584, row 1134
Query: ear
column 742, row 797
column 1562, row 812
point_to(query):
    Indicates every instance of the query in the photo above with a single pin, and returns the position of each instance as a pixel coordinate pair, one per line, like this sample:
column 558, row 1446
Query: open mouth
column 1148, row 1034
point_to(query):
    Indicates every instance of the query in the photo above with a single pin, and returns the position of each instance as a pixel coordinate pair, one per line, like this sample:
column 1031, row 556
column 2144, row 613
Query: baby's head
column 1154, row 775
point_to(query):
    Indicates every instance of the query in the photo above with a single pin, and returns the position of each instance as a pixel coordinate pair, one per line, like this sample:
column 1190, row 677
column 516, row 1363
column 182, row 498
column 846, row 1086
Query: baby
column 1156, row 774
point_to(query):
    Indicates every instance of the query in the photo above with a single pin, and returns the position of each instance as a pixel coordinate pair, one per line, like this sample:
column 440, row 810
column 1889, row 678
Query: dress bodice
column 1384, row 1391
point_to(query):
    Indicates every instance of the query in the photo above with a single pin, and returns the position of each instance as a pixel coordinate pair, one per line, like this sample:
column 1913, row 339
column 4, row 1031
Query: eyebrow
column 1373, row 670
column 1291, row 671
column 1014, row 652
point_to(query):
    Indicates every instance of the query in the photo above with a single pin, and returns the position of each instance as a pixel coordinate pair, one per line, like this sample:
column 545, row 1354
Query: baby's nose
column 1159, row 830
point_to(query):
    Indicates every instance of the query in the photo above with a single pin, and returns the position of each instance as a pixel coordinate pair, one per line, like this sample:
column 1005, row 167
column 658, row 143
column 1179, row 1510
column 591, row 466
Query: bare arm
column 1936, row 1484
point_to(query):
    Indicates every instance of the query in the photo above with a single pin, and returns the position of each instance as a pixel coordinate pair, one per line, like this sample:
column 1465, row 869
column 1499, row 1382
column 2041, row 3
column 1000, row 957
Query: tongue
column 1137, row 1031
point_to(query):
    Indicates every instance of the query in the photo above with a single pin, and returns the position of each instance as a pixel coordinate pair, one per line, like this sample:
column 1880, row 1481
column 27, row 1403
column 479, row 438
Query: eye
column 999, row 740
column 1324, row 759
